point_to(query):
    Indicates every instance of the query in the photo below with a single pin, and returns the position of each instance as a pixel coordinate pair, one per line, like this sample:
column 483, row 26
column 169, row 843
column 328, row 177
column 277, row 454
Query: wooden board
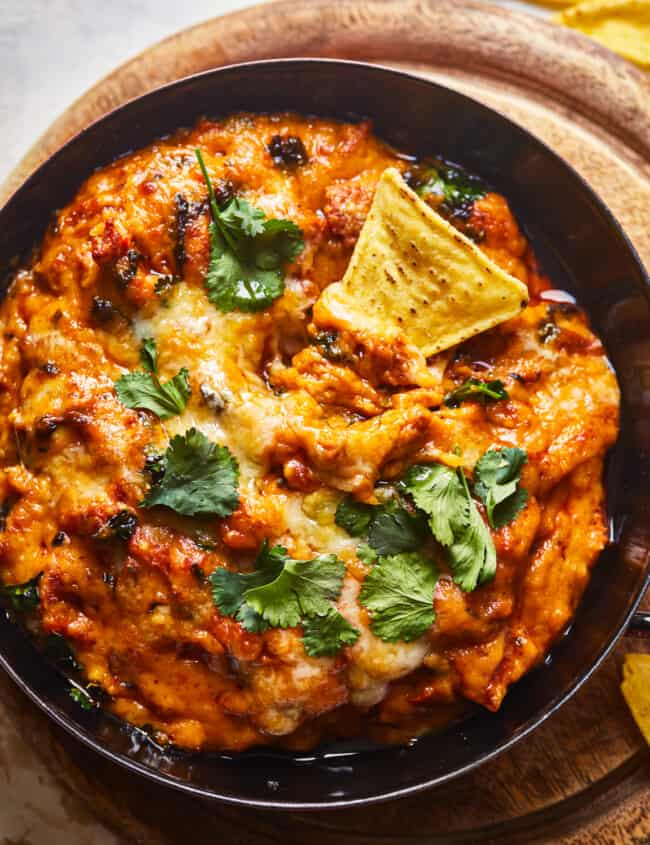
column 584, row 776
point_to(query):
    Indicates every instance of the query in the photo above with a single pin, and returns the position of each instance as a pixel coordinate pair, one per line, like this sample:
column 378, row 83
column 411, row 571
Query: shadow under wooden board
column 584, row 776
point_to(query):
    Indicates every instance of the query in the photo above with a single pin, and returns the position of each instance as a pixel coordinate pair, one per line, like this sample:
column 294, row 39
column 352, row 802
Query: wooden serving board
column 584, row 776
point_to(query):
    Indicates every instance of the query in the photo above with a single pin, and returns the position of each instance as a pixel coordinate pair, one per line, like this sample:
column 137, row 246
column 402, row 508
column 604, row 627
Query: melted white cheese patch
column 323, row 536
column 222, row 353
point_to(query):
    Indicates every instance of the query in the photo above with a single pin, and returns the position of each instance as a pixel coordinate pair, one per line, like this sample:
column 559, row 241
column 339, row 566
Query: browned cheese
column 305, row 428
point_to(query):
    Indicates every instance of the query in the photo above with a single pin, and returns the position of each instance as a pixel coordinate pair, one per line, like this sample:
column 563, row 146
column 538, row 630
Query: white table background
column 51, row 51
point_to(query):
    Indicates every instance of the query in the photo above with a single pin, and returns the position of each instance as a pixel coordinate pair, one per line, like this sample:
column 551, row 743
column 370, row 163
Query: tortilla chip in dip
column 412, row 274
column 621, row 25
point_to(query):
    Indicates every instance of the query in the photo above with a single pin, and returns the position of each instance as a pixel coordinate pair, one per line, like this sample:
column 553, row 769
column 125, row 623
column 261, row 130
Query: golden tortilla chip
column 621, row 25
column 412, row 274
column 636, row 690
column 554, row 3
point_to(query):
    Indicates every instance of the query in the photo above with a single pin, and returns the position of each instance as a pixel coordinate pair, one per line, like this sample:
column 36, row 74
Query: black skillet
column 584, row 250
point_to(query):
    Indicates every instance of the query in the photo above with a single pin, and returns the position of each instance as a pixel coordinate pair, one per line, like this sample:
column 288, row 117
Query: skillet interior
column 582, row 248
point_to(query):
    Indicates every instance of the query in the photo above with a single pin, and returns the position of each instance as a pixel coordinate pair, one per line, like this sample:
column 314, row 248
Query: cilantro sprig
column 398, row 592
column 229, row 588
column 443, row 499
column 149, row 354
column 23, row 598
column 324, row 636
column 353, row 516
column 391, row 527
column 457, row 188
column 282, row 593
column 476, row 390
column 472, row 556
column 196, row 478
column 301, row 588
column 438, row 491
column 82, row 697
column 394, row 529
column 248, row 252
column 145, row 391
column 443, row 494
column 497, row 476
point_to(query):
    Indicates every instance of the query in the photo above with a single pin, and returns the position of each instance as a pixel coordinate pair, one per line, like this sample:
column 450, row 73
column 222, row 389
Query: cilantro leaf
column 438, row 491
column 391, row 527
column 280, row 242
column 507, row 510
column 149, row 354
column 324, row 636
column 238, row 216
column 353, row 516
column 328, row 346
column 229, row 588
column 271, row 559
column 366, row 554
column 472, row 555
column 251, row 620
column 477, row 390
column 457, row 187
column 144, row 391
column 282, row 592
column 247, row 253
column 233, row 284
column 303, row 587
column 82, row 698
column 398, row 592
column 394, row 530
column 497, row 476
column 455, row 522
column 25, row 597
column 200, row 478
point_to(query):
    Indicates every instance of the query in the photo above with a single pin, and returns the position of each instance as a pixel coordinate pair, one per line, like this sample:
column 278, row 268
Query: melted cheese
column 305, row 428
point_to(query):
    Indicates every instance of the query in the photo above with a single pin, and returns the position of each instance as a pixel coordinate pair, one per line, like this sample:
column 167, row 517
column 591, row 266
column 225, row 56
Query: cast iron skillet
column 584, row 250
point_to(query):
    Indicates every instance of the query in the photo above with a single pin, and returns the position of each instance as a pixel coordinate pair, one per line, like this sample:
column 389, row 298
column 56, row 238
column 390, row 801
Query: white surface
column 51, row 51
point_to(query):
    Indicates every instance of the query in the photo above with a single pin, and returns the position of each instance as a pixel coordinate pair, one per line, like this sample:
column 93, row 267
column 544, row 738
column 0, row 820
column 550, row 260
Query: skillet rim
column 73, row 728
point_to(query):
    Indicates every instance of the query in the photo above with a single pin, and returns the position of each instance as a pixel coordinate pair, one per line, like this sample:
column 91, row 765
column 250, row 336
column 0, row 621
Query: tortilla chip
column 557, row 4
column 621, row 25
column 637, row 664
column 636, row 690
column 413, row 275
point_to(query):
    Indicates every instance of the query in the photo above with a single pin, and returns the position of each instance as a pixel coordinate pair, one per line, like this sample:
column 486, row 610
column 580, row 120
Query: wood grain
column 584, row 776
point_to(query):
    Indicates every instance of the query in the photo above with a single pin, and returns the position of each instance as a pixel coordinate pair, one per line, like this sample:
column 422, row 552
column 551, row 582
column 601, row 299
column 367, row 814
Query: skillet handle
column 639, row 625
